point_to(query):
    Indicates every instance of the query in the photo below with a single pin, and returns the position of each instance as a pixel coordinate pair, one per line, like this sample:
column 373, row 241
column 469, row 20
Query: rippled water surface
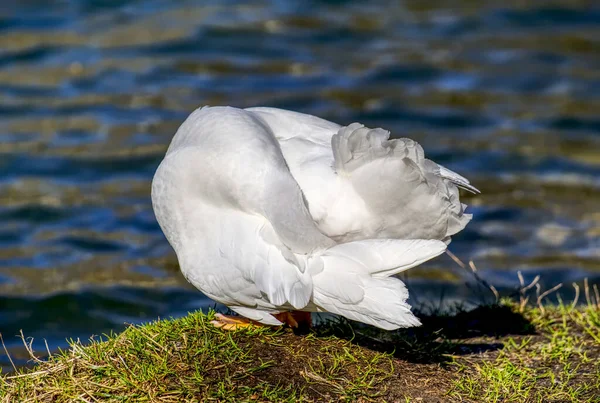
column 504, row 92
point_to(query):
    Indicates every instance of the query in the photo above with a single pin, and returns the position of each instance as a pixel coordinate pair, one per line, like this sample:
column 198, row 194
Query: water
column 504, row 92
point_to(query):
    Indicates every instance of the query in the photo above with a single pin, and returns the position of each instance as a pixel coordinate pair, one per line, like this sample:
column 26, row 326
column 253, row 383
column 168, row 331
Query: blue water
column 506, row 93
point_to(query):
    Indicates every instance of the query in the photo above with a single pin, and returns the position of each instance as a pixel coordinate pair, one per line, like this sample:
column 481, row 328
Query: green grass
column 492, row 354
column 188, row 359
column 560, row 364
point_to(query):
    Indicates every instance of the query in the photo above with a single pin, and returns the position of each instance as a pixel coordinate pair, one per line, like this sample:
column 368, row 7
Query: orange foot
column 226, row 322
column 295, row 319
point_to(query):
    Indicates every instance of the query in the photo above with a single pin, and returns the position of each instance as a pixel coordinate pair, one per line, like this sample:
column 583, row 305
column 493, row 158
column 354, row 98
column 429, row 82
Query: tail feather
column 384, row 257
column 457, row 179
column 383, row 304
column 413, row 196
column 355, row 144
column 353, row 279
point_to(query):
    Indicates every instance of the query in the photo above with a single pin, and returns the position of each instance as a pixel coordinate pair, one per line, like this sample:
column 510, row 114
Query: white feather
column 271, row 210
column 387, row 257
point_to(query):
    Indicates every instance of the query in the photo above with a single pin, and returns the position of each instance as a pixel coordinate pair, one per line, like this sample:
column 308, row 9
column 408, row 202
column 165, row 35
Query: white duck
column 272, row 211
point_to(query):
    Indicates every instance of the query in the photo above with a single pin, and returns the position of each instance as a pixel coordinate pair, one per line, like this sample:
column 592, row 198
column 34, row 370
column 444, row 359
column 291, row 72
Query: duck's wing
column 360, row 184
column 286, row 125
column 226, row 199
column 305, row 143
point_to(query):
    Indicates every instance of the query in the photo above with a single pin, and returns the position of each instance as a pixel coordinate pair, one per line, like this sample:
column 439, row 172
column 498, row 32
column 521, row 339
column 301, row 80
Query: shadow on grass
column 441, row 334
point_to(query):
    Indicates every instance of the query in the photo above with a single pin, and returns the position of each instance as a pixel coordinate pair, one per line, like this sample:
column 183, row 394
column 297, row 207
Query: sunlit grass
column 561, row 364
column 551, row 355
column 188, row 359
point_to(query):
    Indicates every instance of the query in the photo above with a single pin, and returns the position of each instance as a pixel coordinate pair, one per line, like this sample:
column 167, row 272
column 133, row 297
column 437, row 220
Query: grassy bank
column 494, row 353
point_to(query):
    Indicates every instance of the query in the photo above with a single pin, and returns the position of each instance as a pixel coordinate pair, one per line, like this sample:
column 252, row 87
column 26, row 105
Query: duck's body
column 270, row 210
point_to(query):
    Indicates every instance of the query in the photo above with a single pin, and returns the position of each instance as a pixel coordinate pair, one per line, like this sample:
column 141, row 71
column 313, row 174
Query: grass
column 560, row 363
column 507, row 352
column 188, row 359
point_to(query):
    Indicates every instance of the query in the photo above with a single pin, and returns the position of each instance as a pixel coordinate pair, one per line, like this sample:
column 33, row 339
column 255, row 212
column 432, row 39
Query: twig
column 7, row 354
column 597, row 296
column 482, row 281
column 49, row 370
column 495, row 292
column 545, row 294
column 586, row 287
column 576, row 299
column 533, row 282
column 523, row 297
column 47, row 348
column 523, row 303
column 456, row 259
column 475, row 274
column 29, row 347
